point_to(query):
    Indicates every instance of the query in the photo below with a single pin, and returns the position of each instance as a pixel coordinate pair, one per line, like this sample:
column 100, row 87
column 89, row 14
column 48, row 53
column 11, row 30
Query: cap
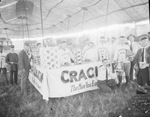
column 12, row 46
column 143, row 37
column 90, row 42
column 122, row 37
column 64, row 41
column 113, row 37
column 26, row 43
column 131, row 35
column 102, row 37
column 38, row 44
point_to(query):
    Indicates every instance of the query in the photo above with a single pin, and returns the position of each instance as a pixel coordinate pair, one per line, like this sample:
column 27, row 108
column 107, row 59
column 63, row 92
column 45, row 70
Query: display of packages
column 50, row 57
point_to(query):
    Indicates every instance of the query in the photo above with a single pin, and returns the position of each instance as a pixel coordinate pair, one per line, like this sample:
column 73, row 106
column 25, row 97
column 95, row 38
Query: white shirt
column 112, row 48
column 135, row 47
column 103, row 51
column 102, row 73
column 121, row 53
column 2, row 60
column 144, row 53
column 91, row 54
column 65, row 56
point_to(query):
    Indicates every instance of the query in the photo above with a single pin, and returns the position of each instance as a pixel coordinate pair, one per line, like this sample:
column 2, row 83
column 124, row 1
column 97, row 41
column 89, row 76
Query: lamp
column 24, row 9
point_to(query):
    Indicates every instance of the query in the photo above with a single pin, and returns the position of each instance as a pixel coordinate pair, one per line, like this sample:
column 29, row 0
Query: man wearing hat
column 142, row 62
column 134, row 47
column 24, row 67
column 122, row 57
column 12, row 61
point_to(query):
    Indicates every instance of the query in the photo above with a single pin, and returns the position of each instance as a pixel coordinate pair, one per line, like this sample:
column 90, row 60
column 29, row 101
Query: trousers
column 14, row 77
column 4, row 72
column 25, row 83
column 143, row 77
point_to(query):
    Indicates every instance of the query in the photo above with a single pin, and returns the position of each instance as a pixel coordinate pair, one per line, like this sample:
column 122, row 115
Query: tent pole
column 82, row 20
column 135, row 28
column 22, row 28
column 26, row 17
column 41, row 18
column 68, row 22
column 106, row 19
column 149, row 12
column 83, row 16
column 6, row 33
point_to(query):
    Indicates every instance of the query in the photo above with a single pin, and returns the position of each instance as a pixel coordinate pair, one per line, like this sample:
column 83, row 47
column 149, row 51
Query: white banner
column 66, row 81
column 38, row 77
column 71, row 80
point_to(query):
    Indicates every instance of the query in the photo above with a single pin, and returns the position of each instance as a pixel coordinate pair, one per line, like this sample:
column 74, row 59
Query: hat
column 122, row 37
column 113, row 37
column 64, row 41
column 38, row 44
column 102, row 37
column 11, row 46
column 91, row 42
column 131, row 35
column 26, row 43
column 143, row 37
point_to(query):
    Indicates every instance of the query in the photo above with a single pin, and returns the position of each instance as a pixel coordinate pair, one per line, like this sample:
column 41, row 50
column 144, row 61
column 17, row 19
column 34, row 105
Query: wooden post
column 41, row 12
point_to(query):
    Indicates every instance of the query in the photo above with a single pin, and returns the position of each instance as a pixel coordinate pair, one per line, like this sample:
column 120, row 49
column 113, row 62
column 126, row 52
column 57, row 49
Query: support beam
column 41, row 12
column 149, row 12
column 106, row 20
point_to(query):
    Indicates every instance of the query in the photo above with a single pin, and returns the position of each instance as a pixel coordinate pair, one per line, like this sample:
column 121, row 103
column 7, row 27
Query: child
column 106, row 81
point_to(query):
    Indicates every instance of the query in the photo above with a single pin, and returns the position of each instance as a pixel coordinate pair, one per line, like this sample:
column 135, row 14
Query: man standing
column 12, row 61
column 24, row 67
column 142, row 62
column 122, row 55
column 134, row 47
column 112, row 45
column 65, row 55
column 91, row 54
column 3, row 69
column 103, row 49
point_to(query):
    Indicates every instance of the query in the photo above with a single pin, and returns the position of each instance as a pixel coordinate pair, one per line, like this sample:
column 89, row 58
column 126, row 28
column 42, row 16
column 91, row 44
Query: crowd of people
column 123, row 54
column 13, row 64
column 128, row 56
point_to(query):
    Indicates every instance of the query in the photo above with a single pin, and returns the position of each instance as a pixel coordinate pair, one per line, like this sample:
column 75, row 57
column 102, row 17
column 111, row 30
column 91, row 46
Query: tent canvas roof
column 62, row 16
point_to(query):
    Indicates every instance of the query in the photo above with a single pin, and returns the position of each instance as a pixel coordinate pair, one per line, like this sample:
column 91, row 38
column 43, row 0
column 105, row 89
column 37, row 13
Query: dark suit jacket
column 12, row 57
column 24, row 61
column 138, row 58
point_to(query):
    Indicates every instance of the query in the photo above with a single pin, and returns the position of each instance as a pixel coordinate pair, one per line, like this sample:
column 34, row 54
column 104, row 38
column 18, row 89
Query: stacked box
column 50, row 57
column 78, row 56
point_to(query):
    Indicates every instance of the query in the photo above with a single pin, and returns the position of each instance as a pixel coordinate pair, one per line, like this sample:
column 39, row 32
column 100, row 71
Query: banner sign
column 71, row 80
column 37, row 77
column 65, row 81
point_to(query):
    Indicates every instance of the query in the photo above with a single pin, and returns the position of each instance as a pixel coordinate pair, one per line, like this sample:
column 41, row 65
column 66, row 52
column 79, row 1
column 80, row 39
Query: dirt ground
column 88, row 104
